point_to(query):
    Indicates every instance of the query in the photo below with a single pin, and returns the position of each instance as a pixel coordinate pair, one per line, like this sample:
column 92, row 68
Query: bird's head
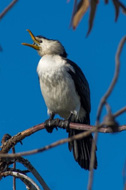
column 46, row 46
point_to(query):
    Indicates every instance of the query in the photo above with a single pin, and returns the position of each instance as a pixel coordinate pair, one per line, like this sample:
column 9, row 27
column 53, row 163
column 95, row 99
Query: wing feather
column 81, row 84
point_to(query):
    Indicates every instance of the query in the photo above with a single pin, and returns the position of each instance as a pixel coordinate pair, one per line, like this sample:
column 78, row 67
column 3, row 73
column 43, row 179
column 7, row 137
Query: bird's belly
column 59, row 94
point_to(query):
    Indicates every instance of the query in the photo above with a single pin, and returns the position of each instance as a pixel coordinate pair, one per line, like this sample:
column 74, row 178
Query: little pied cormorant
column 65, row 91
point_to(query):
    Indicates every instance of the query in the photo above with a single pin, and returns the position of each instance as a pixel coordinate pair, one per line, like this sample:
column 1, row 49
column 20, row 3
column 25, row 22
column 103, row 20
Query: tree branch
column 31, row 185
column 100, row 128
column 7, row 8
column 30, row 167
column 6, row 146
column 122, row 110
column 114, row 80
column 102, row 103
column 14, row 167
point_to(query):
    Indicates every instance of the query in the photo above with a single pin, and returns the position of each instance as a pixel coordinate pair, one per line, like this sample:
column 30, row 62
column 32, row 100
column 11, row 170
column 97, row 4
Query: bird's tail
column 82, row 149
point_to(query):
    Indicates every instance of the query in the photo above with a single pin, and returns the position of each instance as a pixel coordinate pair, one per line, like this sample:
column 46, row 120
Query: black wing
column 81, row 85
column 82, row 147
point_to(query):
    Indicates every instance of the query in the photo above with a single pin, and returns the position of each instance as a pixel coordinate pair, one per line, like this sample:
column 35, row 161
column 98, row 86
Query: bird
column 66, row 92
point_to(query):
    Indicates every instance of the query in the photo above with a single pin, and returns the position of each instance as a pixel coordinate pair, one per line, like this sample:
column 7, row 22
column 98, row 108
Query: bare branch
column 8, row 8
column 17, row 170
column 62, row 141
column 114, row 80
column 65, row 140
column 30, row 167
column 27, row 180
column 102, row 102
column 5, row 138
column 20, row 136
column 119, row 112
column 14, row 167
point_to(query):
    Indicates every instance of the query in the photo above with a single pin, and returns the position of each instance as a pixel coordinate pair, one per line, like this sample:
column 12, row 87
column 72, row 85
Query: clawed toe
column 64, row 124
column 48, row 126
column 51, row 124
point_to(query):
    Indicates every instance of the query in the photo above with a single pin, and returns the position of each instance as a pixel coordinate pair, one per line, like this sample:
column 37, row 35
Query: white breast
column 57, row 86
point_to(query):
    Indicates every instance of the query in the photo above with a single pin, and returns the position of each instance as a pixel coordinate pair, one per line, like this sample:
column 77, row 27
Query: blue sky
column 21, row 102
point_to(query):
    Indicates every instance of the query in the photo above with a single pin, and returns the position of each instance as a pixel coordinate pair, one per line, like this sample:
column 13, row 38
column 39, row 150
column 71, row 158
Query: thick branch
column 62, row 141
column 20, row 136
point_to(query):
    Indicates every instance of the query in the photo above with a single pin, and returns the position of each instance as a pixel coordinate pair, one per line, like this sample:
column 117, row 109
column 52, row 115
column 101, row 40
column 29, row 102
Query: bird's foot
column 50, row 124
column 67, row 122
column 64, row 124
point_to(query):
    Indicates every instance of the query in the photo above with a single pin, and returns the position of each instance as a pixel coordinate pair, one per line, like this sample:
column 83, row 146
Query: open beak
column 36, row 42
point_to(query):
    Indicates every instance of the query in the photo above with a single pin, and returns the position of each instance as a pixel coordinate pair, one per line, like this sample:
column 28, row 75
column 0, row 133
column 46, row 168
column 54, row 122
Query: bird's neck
column 50, row 63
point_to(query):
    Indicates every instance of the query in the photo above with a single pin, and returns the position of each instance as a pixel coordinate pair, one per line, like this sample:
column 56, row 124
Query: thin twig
column 122, row 110
column 14, row 167
column 30, row 167
column 108, row 108
column 102, row 102
column 114, row 80
column 17, row 170
column 7, row 8
column 27, row 180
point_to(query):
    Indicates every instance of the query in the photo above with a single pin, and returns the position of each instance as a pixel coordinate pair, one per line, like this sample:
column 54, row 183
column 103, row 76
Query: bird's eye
column 40, row 41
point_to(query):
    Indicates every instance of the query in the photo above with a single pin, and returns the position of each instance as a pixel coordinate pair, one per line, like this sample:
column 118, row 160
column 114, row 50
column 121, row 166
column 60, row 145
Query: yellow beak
column 35, row 46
